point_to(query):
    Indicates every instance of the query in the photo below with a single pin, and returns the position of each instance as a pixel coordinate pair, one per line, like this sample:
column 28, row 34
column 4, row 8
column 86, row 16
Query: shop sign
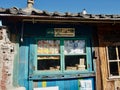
column 64, row 32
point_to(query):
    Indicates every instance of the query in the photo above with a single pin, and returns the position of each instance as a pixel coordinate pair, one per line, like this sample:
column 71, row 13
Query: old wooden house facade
column 40, row 50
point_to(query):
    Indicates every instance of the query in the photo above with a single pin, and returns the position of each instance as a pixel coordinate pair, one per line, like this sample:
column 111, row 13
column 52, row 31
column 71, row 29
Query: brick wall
column 7, row 52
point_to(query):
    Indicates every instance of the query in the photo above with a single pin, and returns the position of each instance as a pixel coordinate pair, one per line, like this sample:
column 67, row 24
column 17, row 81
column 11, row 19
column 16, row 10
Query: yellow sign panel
column 64, row 32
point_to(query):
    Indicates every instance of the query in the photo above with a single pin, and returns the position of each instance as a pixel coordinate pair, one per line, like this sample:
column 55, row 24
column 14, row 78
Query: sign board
column 47, row 88
column 64, row 32
column 85, row 85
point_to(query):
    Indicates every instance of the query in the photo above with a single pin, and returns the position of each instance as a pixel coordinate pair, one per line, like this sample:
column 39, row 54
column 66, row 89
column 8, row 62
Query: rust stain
column 4, row 77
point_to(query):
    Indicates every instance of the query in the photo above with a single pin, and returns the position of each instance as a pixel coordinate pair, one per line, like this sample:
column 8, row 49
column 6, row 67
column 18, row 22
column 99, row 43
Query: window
column 61, row 56
column 113, row 56
column 48, row 55
column 75, row 55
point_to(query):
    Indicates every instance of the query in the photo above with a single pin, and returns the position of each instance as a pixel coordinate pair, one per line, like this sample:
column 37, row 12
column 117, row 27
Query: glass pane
column 114, row 68
column 75, row 63
column 48, row 63
column 119, row 51
column 48, row 47
column 112, row 53
column 74, row 46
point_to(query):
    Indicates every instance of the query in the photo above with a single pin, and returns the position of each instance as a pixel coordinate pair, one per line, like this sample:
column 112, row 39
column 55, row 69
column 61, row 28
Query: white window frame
column 112, row 61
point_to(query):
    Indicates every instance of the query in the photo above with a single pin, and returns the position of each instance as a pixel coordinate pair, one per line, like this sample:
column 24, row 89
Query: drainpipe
column 30, row 3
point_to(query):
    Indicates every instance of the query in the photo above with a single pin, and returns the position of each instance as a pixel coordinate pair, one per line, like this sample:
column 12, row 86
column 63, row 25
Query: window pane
column 75, row 63
column 112, row 53
column 48, row 47
column 48, row 63
column 114, row 68
column 74, row 46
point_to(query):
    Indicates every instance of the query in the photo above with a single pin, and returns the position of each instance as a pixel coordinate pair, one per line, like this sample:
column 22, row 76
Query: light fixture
column 21, row 39
column 0, row 22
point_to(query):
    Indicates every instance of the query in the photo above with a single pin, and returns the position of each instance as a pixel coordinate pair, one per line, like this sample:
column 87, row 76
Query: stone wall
column 7, row 53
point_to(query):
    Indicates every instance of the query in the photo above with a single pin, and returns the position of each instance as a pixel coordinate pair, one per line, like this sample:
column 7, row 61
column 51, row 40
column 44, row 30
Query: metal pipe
column 73, row 21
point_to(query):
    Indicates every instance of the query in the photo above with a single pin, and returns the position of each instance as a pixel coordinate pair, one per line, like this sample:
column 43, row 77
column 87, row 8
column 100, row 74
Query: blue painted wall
column 65, row 84
column 24, row 63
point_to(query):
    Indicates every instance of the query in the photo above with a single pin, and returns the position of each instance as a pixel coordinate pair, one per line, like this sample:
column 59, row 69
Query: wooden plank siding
column 102, row 55
column 27, row 66
column 96, row 61
column 98, row 71
column 105, row 34
column 62, row 84
column 66, row 84
column 23, row 64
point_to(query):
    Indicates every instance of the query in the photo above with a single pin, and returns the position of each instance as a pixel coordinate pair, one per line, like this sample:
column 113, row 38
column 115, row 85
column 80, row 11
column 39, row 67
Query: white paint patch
column 16, row 88
column 47, row 88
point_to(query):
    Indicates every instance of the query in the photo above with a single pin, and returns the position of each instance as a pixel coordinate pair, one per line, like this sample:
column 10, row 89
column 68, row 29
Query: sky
column 72, row 6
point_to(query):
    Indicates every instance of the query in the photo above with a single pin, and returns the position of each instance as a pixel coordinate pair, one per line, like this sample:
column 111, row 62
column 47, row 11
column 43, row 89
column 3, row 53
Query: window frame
column 113, row 61
column 88, row 54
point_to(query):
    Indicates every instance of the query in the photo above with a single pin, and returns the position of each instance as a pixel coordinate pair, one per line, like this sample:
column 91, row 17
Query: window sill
column 61, row 76
column 112, row 78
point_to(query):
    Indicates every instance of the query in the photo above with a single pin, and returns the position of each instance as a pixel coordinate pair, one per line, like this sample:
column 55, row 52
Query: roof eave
column 60, row 19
